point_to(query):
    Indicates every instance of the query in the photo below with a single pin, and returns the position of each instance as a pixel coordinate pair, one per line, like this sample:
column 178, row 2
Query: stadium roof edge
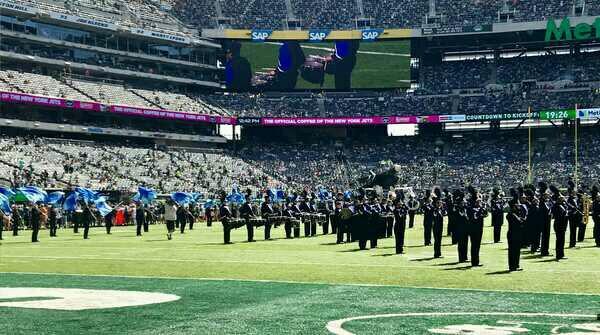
column 101, row 24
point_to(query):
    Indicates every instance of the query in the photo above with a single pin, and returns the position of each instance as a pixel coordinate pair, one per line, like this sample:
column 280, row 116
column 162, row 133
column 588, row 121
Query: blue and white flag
column 5, row 205
column 276, row 195
column 145, row 195
column 102, row 206
column 7, row 192
column 55, row 197
column 210, row 203
column 182, row 198
column 32, row 193
column 86, row 194
column 70, row 203
column 235, row 196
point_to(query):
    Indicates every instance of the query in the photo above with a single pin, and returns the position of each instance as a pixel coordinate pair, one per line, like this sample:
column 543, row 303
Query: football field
column 123, row 284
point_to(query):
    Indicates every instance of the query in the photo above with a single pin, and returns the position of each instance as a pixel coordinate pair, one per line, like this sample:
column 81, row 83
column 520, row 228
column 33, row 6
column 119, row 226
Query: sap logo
column 260, row 35
column 371, row 34
column 317, row 35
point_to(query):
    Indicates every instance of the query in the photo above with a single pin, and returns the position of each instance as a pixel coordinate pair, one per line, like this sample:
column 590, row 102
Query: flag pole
column 576, row 148
column 529, row 172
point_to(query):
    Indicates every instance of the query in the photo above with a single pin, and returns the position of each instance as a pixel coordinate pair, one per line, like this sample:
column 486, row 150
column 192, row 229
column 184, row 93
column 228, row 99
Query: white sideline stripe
column 125, row 259
column 295, row 282
column 304, row 46
column 335, row 327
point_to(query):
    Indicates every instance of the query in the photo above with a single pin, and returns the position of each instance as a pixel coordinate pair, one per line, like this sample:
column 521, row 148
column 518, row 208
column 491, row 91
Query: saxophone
column 587, row 205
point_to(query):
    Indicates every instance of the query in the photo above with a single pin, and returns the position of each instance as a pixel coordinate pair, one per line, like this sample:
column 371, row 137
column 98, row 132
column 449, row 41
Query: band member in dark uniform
column 246, row 213
column 461, row 226
column 497, row 205
column 477, row 213
column 325, row 209
column 313, row 223
column 17, row 220
column 225, row 214
column 266, row 211
column 337, row 221
column 108, row 220
column 449, row 206
column 438, row 226
column 400, row 212
column 289, row 213
column 53, row 220
column 596, row 214
column 561, row 219
column 386, row 213
column 297, row 213
column 4, row 220
column 360, row 223
column 427, row 206
column 546, row 218
column 182, row 217
column 209, row 216
column 376, row 225
column 191, row 216
column 514, row 235
column 140, row 219
column 536, row 222
column 575, row 209
column 413, row 206
column 305, row 208
column 77, row 217
column 35, row 217
column 88, row 218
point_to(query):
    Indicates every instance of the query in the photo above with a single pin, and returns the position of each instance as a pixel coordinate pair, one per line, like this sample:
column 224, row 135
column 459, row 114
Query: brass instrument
column 587, row 206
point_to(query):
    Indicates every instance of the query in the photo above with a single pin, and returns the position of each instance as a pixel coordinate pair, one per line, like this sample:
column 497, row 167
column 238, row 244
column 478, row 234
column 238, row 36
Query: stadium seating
column 104, row 92
column 341, row 14
column 107, row 166
column 421, row 162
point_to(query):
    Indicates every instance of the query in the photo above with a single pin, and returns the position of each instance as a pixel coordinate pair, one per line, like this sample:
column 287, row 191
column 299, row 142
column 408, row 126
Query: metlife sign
column 589, row 113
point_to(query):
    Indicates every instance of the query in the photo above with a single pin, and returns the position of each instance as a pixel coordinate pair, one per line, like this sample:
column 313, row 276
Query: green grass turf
column 371, row 70
column 269, row 298
column 245, row 307
column 201, row 254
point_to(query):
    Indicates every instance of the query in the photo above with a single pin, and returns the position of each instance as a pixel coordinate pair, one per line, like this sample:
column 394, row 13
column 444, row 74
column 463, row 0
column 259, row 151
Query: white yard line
column 297, row 282
column 138, row 259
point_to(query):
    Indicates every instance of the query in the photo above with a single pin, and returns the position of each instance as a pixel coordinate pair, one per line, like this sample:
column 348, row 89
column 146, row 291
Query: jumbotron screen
column 342, row 65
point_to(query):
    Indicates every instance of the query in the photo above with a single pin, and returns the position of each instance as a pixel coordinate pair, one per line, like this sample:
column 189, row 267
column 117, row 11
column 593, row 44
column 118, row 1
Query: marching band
column 366, row 216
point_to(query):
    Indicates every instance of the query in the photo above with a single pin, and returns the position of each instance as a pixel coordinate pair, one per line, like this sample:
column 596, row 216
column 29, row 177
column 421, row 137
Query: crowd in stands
column 131, row 13
column 103, row 92
column 508, row 100
column 342, row 14
column 106, row 166
column 421, row 162
column 110, row 61
column 339, row 14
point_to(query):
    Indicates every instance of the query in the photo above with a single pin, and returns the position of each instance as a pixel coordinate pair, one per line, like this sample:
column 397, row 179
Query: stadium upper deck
column 347, row 14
